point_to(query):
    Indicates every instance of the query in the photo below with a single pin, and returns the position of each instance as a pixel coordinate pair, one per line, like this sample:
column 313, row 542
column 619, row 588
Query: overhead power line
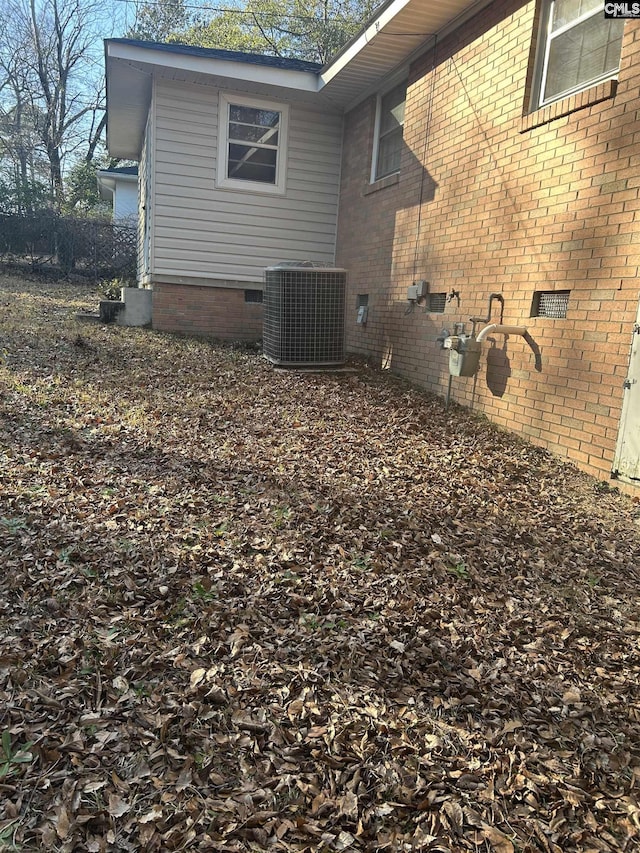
column 234, row 11
column 266, row 16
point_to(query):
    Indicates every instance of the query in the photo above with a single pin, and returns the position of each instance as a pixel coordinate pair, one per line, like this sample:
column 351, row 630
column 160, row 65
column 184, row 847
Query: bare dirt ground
column 247, row 610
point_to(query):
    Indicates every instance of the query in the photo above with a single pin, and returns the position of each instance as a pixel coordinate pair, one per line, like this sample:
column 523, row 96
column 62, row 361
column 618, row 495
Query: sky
column 121, row 13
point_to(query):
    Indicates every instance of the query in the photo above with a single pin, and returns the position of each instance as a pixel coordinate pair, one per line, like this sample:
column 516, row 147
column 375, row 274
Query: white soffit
column 396, row 33
column 128, row 98
column 210, row 65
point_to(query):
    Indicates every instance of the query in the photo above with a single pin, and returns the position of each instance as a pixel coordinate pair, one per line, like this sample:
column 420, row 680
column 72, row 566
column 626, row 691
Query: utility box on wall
column 464, row 355
column 304, row 308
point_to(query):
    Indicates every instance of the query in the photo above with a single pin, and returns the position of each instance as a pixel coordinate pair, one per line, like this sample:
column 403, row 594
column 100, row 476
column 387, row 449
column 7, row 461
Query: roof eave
column 130, row 69
column 107, row 175
column 128, row 99
column 301, row 81
column 399, row 32
column 106, row 187
column 361, row 40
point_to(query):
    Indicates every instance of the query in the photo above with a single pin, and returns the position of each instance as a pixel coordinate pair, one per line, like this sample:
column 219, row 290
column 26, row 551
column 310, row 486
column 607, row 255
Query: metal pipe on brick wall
column 498, row 329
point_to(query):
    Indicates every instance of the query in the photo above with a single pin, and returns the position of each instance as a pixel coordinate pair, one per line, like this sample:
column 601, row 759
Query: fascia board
column 365, row 38
column 106, row 187
column 110, row 179
column 303, row 81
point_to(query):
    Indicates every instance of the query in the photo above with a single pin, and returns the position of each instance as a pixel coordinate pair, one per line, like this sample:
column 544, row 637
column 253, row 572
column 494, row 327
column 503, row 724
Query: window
column 579, row 48
column 389, row 128
column 252, row 144
column 362, row 300
column 550, row 303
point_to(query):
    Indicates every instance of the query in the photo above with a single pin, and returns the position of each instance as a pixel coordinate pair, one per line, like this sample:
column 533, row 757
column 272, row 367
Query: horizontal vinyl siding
column 205, row 232
column 140, row 229
column 125, row 202
column 259, row 244
column 143, row 184
column 194, row 196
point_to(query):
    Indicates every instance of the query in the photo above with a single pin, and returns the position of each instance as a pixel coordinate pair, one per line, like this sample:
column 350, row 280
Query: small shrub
column 111, row 289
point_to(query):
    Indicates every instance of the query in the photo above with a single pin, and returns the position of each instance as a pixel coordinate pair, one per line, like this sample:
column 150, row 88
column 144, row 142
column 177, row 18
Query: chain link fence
column 64, row 246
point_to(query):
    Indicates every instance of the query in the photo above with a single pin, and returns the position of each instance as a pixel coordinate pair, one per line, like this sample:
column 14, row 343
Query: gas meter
column 464, row 354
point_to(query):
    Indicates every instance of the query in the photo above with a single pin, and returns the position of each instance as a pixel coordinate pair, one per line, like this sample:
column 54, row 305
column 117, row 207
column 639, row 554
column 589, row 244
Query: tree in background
column 158, row 21
column 58, row 91
column 23, row 170
column 82, row 196
column 305, row 29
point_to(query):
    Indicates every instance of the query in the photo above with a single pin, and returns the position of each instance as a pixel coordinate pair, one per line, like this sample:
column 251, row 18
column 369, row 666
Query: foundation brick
column 214, row 312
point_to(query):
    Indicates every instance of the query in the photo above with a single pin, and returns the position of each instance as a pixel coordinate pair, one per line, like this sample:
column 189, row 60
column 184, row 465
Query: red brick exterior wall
column 487, row 202
column 215, row 312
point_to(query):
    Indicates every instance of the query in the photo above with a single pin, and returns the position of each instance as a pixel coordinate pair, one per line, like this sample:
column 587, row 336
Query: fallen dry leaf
column 244, row 609
column 498, row 840
column 117, row 807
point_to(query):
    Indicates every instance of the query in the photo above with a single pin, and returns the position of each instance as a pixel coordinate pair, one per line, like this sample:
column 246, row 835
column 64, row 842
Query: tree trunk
column 55, row 172
column 95, row 138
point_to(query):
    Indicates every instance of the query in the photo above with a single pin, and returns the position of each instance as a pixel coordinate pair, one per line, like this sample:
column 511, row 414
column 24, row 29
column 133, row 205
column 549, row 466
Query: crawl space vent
column 304, row 315
column 436, row 302
column 550, row 303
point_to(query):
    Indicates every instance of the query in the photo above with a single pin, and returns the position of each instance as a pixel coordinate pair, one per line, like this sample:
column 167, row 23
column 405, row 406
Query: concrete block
column 110, row 310
column 137, row 307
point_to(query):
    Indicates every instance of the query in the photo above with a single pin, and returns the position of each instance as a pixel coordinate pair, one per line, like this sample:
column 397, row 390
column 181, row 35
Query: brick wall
column 489, row 200
column 215, row 312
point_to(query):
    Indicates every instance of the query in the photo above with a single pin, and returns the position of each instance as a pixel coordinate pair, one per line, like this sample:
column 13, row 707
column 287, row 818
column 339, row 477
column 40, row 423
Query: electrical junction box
column 418, row 290
column 363, row 313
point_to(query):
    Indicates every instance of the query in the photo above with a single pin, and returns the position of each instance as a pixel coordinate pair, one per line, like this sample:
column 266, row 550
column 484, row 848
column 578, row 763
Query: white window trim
column 546, row 36
column 224, row 182
column 376, row 139
column 376, row 131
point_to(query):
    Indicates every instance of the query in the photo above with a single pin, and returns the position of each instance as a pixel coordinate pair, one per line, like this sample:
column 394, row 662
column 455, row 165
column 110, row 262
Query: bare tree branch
column 56, row 42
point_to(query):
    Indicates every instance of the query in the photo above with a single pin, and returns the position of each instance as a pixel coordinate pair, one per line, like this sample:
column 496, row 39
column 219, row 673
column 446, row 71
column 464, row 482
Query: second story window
column 389, row 130
column 578, row 48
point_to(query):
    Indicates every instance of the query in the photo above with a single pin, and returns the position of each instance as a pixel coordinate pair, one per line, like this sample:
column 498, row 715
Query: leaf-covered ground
column 244, row 609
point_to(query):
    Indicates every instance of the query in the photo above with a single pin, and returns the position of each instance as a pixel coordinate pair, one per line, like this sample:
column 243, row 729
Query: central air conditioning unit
column 304, row 314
